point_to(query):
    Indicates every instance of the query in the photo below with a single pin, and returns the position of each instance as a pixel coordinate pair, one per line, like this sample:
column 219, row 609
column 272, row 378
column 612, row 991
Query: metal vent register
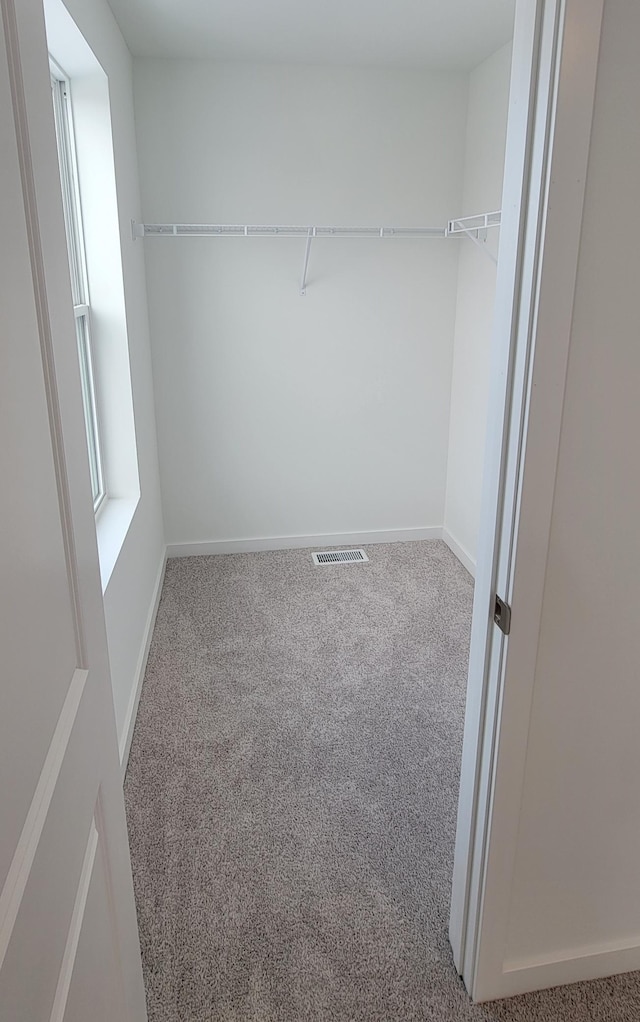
column 339, row 556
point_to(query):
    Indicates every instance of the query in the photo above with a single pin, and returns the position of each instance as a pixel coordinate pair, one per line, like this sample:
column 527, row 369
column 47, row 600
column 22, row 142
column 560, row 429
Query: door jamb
column 556, row 46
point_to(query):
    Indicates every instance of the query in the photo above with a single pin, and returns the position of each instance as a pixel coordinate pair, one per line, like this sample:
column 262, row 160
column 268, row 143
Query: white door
column 68, row 937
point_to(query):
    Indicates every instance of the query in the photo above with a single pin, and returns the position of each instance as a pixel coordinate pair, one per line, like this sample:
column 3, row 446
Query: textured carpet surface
column 291, row 795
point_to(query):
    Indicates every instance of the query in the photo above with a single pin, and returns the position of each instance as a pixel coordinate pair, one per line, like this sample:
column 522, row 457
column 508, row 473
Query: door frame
column 554, row 67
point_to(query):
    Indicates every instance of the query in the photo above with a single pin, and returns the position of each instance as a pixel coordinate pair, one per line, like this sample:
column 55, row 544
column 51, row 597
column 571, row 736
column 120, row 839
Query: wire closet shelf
column 474, row 227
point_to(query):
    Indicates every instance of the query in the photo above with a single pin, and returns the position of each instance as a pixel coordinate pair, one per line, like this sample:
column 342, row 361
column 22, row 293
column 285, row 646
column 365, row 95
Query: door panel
column 68, row 937
column 91, row 994
column 36, row 626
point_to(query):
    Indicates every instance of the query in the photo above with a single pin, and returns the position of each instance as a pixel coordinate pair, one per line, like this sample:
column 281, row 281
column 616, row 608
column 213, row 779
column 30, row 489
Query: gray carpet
column 291, row 795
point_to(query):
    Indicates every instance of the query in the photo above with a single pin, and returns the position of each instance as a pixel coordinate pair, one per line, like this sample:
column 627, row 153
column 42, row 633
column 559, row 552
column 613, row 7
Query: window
column 97, row 241
column 78, row 270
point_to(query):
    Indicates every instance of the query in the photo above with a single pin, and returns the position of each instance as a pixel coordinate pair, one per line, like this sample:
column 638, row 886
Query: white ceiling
column 393, row 33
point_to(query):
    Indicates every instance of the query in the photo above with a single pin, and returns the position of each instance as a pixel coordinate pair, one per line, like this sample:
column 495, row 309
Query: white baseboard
column 132, row 708
column 574, row 966
column 245, row 546
column 463, row 555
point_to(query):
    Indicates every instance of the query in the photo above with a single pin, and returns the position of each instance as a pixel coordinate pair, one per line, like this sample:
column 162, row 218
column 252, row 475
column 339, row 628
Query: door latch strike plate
column 502, row 615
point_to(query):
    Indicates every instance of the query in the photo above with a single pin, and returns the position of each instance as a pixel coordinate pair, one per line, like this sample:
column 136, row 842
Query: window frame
column 76, row 252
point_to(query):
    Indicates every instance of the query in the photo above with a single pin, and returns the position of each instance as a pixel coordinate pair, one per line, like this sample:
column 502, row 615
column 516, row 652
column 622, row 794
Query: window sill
column 112, row 525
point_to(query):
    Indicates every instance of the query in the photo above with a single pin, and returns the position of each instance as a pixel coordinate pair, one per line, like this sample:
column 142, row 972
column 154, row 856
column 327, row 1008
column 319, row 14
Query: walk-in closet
column 320, row 236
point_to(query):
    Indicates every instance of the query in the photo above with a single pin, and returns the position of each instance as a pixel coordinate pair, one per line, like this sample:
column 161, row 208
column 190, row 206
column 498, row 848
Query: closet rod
column 472, row 227
column 280, row 230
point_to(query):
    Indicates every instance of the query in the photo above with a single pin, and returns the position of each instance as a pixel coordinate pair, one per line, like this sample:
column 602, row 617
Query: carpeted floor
column 291, row 795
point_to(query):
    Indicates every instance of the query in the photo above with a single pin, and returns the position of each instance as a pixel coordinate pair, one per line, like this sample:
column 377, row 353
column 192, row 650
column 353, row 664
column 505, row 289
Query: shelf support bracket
column 474, row 235
column 305, row 266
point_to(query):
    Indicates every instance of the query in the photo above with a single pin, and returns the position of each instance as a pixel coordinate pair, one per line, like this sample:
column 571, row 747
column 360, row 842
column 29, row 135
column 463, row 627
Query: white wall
column 280, row 415
column 484, row 167
column 130, row 593
column 576, row 889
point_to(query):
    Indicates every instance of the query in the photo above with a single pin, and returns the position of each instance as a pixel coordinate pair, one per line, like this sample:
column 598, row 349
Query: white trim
column 27, row 846
column 604, row 949
column 496, row 730
column 570, row 966
column 485, row 645
column 75, row 927
column 459, row 551
column 141, row 666
column 330, row 539
column 525, row 566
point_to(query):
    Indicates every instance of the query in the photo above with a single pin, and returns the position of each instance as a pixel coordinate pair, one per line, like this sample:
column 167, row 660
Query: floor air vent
column 339, row 556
